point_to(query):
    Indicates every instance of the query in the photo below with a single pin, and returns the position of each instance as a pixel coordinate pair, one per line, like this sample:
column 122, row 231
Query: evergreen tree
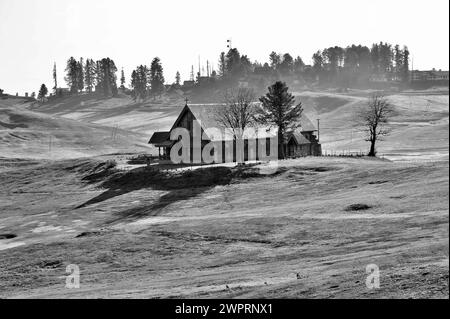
column 385, row 58
column 122, row 80
column 72, row 75
column 139, row 83
column 89, row 75
column 106, row 77
column 156, row 77
column 222, row 65
column 233, row 62
column 80, row 75
column 42, row 93
column 398, row 59
column 405, row 64
column 98, row 77
column 299, row 65
column 246, row 66
column 55, row 78
column 318, row 63
column 275, row 60
column 278, row 110
column 375, row 57
column 287, row 65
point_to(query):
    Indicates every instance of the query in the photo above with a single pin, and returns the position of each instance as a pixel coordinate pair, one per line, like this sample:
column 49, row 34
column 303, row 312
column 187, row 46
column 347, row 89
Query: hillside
column 419, row 126
column 145, row 233
column 32, row 134
column 143, row 117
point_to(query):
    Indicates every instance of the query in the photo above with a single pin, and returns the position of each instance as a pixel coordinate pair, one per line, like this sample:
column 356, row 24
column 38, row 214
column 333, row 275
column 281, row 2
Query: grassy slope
column 419, row 128
column 419, row 125
column 32, row 134
column 149, row 236
column 146, row 117
column 252, row 234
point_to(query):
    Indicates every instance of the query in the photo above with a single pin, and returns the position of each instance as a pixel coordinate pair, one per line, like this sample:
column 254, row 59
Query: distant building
column 62, row 92
column 188, row 84
column 431, row 75
column 204, row 79
column 380, row 77
column 301, row 142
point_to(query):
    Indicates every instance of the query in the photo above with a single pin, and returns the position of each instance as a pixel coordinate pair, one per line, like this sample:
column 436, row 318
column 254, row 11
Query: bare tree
column 374, row 118
column 238, row 112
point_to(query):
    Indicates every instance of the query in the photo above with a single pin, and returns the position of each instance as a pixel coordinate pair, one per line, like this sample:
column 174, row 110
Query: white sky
column 35, row 33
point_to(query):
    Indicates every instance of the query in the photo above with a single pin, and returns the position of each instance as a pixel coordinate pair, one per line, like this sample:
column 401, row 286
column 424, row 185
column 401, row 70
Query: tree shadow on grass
column 180, row 186
column 155, row 208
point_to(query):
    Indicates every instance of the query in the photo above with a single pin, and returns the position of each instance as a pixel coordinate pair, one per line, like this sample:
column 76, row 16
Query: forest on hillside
column 355, row 66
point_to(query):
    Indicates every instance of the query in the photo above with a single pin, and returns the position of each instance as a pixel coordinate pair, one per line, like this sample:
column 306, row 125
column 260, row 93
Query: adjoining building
column 301, row 142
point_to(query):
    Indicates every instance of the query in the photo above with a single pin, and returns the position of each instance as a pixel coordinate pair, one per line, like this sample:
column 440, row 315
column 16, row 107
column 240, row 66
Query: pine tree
column 275, row 60
column 80, row 75
column 287, row 65
column 89, row 75
column 72, row 75
column 156, row 77
column 318, row 64
column 233, row 63
column 106, row 77
column 222, row 65
column 55, row 79
column 398, row 59
column 139, row 83
column 278, row 109
column 42, row 93
column 122, row 80
column 405, row 64
column 299, row 65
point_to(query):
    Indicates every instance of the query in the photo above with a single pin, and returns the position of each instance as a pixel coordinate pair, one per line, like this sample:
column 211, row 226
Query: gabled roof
column 299, row 138
column 206, row 114
column 160, row 138
column 306, row 125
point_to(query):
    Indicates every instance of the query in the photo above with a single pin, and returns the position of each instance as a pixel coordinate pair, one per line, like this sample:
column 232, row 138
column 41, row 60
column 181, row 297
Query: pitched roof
column 306, row 125
column 299, row 138
column 206, row 114
column 159, row 138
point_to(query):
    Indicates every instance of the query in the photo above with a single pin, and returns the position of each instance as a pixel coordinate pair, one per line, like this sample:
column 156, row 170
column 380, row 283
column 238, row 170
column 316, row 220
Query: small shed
column 161, row 140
